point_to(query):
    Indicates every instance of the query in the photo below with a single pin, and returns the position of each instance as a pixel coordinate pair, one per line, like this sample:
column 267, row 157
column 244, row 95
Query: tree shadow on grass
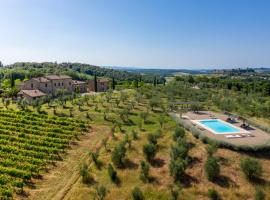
column 73, row 143
column 99, row 165
column 43, row 112
column 265, row 154
column 118, row 182
column 154, row 180
column 90, row 182
column 193, row 161
column 58, row 114
column 129, row 164
column 148, row 122
column 157, row 163
column 133, row 113
column 22, row 193
column 187, row 180
column 157, row 111
column 129, row 122
column 259, row 181
column 224, row 181
column 31, row 185
column 83, row 109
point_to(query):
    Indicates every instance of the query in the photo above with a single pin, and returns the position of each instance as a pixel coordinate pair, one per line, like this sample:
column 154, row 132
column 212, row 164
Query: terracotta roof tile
column 33, row 93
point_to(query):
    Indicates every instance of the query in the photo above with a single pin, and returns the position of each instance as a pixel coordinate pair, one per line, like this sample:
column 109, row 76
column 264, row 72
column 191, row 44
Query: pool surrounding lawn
column 218, row 126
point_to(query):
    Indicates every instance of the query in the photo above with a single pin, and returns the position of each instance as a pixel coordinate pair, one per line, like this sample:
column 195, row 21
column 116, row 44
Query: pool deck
column 259, row 136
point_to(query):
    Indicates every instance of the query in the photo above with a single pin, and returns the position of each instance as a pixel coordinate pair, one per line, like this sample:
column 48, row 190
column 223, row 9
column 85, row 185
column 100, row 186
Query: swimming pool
column 218, row 126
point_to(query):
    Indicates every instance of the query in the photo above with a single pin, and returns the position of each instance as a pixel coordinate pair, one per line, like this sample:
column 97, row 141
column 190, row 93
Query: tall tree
column 155, row 81
column 12, row 80
column 113, row 83
column 95, row 82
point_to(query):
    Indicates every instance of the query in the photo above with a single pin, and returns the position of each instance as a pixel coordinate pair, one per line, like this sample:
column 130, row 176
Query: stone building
column 31, row 95
column 50, row 85
column 102, row 85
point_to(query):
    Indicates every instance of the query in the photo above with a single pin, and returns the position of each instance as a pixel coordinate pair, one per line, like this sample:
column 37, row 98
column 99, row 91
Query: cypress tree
column 113, row 83
column 155, row 81
column 12, row 81
column 95, row 82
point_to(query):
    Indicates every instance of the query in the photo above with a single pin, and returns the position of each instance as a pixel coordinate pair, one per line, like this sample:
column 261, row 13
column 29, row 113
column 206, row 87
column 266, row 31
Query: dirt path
column 56, row 183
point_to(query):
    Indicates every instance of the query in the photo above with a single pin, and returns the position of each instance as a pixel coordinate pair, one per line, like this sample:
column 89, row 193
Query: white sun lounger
column 233, row 136
column 185, row 117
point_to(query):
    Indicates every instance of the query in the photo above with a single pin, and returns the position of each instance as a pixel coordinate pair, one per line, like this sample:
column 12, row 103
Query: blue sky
column 144, row 33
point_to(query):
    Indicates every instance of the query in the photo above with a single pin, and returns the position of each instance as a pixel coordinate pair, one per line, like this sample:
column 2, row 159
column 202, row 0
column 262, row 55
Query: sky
column 141, row 33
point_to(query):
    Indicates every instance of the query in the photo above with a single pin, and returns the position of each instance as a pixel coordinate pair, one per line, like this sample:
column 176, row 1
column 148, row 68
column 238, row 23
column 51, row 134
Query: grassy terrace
column 115, row 117
column 28, row 142
column 35, row 140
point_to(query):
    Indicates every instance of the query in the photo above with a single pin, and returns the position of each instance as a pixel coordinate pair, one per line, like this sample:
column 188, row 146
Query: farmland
column 28, row 143
column 116, row 117
column 131, row 145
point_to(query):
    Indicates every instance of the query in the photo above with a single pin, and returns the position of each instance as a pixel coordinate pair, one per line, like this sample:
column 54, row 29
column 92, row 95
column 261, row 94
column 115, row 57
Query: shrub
column 158, row 133
column 212, row 168
column 182, row 142
column 178, row 133
column 213, row 194
column 149, row 151
column 144, row 116
column 144, row 174
column 101, row 192
column 154, row 102
column 211, row 148
column 94, row 157
column 152, row 138
column 137, row 194
column 112, row 173
column 259, row 194
column 177, row 169
column 118, row 155
column 174, row 193
column 104, row 143
column 178, row 152
column 134, row 134
column 251, row 168
column 127, row 140
column 161, row 120
column 86, row 177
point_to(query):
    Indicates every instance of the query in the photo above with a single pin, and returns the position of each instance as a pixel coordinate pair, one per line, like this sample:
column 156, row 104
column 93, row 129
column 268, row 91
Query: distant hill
column 79, row 71
column 171, row 72
column 162, row 72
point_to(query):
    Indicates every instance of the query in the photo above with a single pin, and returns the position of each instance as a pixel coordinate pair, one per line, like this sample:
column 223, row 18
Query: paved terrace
column 260, row 137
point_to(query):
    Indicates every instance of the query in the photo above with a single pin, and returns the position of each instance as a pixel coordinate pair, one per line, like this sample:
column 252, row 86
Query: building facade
column 102, row 85
column 31, row 95
column 50, row 85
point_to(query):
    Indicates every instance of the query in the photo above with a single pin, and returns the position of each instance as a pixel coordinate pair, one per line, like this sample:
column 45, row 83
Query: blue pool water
column 219, row 127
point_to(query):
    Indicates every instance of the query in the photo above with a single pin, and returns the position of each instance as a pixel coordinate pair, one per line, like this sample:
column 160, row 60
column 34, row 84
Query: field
column 28, row 143
column 114, row 117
